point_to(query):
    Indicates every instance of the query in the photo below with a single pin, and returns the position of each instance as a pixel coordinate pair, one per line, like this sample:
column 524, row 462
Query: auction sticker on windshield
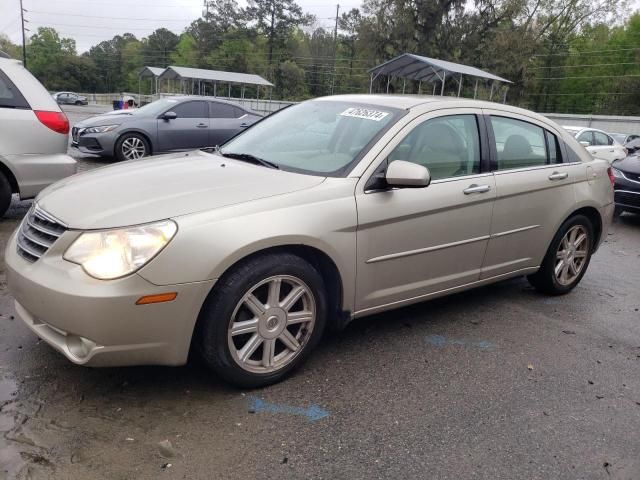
column 366, row 113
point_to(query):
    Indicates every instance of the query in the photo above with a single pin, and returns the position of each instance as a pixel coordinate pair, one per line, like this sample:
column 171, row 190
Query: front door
column 534, row 188
column 189, row 130
column 226, row 122
column 412, row 242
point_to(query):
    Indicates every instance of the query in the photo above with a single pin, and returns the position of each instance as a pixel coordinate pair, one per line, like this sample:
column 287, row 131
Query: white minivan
column 34, row 135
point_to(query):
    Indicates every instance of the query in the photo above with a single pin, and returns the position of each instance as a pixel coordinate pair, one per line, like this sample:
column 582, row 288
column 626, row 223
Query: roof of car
column 209, row 99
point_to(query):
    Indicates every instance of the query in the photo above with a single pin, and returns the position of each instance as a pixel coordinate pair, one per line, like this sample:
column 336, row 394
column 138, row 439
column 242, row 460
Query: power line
column 105, row 17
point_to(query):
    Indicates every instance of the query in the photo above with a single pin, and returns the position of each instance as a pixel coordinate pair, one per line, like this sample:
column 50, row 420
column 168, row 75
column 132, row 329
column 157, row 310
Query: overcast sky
column 91, row 21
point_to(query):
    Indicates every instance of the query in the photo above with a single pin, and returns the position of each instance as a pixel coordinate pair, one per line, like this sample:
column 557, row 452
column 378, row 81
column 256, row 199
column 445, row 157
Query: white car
column 598, row 143
column 34, row 135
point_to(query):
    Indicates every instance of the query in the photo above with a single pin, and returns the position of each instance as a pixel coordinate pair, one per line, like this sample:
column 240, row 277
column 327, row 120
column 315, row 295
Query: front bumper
column 627, row 194
column 97, row 323
column 102, row 144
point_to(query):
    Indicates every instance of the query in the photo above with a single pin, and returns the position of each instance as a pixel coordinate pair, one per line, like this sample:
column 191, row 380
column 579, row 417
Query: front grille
column 632, row 176
column 627, row 198
column 38, row 232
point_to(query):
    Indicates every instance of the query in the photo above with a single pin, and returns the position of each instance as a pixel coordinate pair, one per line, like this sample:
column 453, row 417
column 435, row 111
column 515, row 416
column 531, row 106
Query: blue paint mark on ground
column 441, row 341
column 313, row 413
column 550, row 301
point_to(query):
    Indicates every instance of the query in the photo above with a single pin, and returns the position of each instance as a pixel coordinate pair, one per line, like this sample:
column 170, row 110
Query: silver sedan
column 330, row 210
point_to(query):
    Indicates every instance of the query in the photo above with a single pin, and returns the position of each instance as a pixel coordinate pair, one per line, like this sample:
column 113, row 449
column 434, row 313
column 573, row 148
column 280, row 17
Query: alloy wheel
column 571, row 255
column 271, row 324
column 133, row 148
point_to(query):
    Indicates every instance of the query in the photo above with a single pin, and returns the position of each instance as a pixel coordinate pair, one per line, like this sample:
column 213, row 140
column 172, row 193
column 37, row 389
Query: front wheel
column 263, row 319
column 132, row 146
column 567, row 259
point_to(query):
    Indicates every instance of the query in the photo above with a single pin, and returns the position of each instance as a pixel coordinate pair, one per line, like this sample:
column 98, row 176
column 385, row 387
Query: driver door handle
column 202, row 125
column 558, row 176
column 244, row 125
column 476, row 189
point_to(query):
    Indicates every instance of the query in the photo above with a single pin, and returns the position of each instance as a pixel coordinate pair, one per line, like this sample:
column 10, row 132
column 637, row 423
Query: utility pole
column 205, row 12
column 335, row 48
column 24, row 45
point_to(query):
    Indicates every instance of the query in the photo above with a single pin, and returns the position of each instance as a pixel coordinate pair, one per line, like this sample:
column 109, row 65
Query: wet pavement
column 496, row 383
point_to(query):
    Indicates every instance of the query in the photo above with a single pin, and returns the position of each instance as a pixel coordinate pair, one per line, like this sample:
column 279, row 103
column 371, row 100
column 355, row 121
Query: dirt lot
column 497, row 383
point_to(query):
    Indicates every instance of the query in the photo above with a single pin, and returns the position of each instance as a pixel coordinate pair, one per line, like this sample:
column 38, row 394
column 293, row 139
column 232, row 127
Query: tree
column 46, row 52
column 186, row 52
column 290, row 82
column 349, row 24
column 11, row 49
column 158, row 47
column 112, row 60
column 275, row 19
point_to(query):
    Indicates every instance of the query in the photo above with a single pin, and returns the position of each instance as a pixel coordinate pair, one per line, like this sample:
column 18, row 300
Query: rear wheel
column 5, row 194
column 263, row 319
column 567, row 259
column 132, row 146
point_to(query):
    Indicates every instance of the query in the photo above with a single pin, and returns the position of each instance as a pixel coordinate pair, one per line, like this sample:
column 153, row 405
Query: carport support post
column 229, row 91
column 215, row 85
column 460, row 85
column 420, row 87
column 404, row 84
column 491, row 92
column 434, row 89
column 444, row 78
column 475, row 90
column 370, row 83
column 388, row 80
column 504, row 98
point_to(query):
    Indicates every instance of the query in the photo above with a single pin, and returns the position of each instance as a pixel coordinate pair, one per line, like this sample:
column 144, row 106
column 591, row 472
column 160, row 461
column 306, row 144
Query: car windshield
column 155, row 108
column 316, row 137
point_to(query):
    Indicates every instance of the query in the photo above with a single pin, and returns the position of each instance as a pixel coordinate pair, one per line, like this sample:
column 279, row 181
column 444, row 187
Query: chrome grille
column 38, row 232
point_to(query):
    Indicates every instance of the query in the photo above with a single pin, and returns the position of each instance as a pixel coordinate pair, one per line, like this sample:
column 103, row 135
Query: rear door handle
column 558, row 176
column 244, row 125
column 476, row 189
column 202, row 125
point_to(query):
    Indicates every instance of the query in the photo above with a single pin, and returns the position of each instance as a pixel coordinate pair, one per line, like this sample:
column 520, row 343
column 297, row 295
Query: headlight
column 101, row 129
column 111, row 254
column 617, row 173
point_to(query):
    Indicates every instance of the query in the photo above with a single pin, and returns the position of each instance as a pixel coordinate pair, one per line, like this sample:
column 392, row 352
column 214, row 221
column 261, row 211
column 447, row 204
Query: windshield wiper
column 247, row 157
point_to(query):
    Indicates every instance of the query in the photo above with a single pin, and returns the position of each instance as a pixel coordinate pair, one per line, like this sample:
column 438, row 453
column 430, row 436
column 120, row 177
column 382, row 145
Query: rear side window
column 10, row 96
column 191, row 110
column 518, row 144
column 222, row 110
column 600, row 138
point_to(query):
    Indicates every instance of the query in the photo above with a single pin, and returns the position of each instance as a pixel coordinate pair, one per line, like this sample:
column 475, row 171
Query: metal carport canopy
column 173, row 72
column 147, row 72
column 425, row 69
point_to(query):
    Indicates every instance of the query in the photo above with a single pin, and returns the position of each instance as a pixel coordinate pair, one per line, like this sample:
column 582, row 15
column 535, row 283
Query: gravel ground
column 496, row 383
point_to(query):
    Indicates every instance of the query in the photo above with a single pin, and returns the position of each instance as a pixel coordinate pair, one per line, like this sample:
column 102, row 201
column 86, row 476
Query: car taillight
column 612, row 178
column 56, row 121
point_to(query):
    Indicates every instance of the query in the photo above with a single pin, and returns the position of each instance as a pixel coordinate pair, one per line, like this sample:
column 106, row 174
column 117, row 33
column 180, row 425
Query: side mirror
column 585, row 144
column 170, row 116
column 407, row 175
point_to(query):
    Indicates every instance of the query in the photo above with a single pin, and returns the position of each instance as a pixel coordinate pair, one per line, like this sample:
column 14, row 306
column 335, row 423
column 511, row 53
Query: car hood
column 105, row 119
column 166, row 186
column 630, row 164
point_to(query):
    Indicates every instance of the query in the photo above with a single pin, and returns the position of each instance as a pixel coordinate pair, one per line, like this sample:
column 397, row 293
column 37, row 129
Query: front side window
column 448, row 146
column 586, row 137
column 518, row 144
column 191, row 110
column 315, row 137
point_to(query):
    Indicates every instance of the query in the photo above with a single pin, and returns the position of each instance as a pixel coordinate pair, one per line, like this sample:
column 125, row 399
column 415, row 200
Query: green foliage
column 562, row 55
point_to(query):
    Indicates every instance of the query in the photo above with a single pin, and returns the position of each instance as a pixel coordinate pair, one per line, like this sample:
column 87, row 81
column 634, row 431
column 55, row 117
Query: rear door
column 534, row 187
column 189, row 130
column 226, row 121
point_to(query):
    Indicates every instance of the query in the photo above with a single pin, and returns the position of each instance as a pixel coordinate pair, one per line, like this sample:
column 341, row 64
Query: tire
column 132, row 146
column 545, row 280
column 78, row 103
column 5, row 194
column 229, row 303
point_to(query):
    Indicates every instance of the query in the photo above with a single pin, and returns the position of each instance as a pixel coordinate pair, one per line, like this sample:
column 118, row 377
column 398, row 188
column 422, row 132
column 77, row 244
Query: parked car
column 329, row 210
column 34, row 135
column 624, row 138
column 70, row 98
column 598, row 143
column 627, row 184
column 633, row 145
column 176, row 123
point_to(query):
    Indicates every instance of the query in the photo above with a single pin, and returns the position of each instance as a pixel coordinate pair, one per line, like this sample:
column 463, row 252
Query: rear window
column 223, row 110
column 10, row 96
